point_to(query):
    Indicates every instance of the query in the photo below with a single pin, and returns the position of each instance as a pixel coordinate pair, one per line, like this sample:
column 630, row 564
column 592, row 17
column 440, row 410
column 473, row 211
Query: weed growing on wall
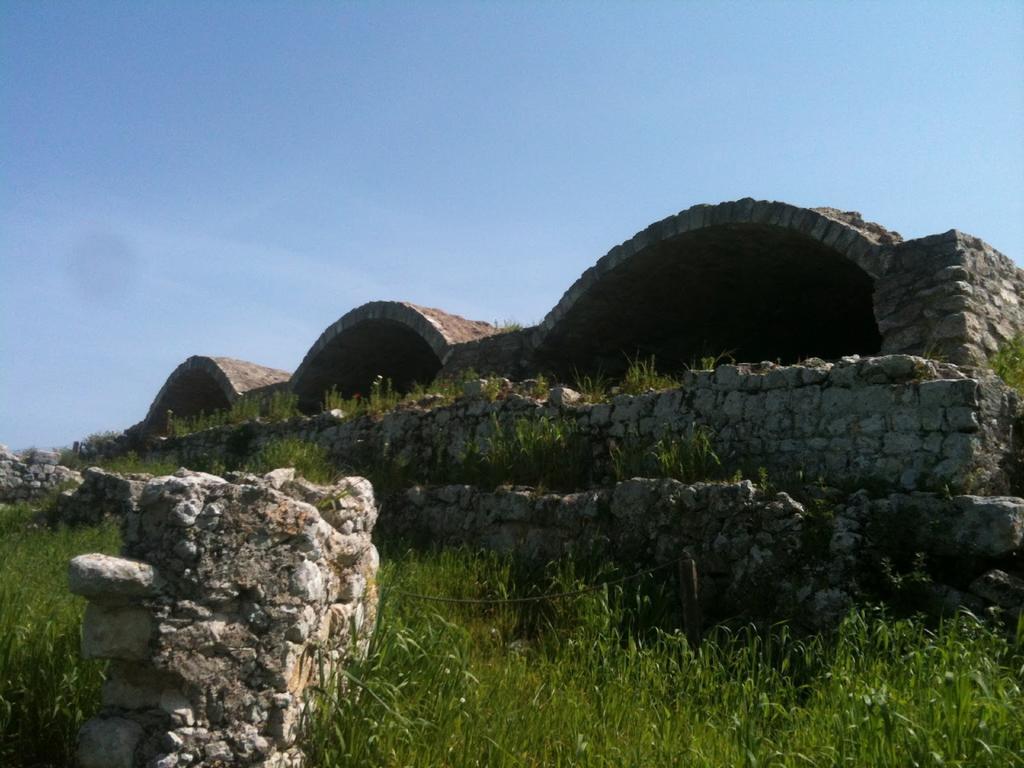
column 595, row 388
column 1008, row 362
column 279, row 406
column 642, row 375
column 546, row 453
column 689, row 459
column 309, row 460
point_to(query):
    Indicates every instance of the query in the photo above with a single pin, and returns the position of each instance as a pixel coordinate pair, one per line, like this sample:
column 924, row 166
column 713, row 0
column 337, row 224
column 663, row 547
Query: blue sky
column 228, row 179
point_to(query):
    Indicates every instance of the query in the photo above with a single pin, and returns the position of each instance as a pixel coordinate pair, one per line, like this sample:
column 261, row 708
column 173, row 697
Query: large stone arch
column 207, row 384
column 760, row 280
column 402, row 342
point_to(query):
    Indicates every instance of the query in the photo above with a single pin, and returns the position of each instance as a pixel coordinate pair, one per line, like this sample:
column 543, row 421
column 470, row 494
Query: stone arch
column 402, row 342
column 207, row 384
column 761, row 280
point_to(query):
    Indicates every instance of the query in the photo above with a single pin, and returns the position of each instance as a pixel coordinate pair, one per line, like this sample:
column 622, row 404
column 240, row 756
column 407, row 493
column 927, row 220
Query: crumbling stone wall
column 32, row 474
column 897, row 421
column 229, row 597
column 759, row 553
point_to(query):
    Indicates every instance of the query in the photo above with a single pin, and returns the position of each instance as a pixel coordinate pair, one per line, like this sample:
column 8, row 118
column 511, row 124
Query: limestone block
column 1001, row 588
column 103, row 578
column 990, row 526
column 563, row 396
column 108, row 743
column 116, row 633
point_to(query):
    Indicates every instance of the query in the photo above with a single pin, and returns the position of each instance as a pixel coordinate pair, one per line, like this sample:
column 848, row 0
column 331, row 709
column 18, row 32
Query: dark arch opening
column 355, row 357
column 753, row 291
column 188, row 394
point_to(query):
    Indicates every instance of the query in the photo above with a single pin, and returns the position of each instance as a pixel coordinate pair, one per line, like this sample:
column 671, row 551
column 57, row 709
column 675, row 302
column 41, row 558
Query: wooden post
column 690, row 598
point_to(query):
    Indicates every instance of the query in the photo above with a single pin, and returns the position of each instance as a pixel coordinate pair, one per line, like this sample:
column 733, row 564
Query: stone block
column 116, row 633
column 103, row 578
column 108, row 743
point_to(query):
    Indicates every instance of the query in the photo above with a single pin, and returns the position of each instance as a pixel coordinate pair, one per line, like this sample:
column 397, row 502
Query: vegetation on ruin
column 602, row 679
column 46, row 689
column 545, row 453
column 1008, row 362
column 280, row 406
column 689, row 459
column 607, row 679
column 508, row 326
column 308, row 459
column 642, row 375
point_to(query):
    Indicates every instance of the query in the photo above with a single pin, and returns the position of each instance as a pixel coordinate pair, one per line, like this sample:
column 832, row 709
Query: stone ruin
column 877, row 403
column 231, row 597
column 754, row 279
column 32, row 474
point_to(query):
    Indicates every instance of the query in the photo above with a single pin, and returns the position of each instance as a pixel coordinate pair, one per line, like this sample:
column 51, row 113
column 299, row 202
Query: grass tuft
column 1008, row 362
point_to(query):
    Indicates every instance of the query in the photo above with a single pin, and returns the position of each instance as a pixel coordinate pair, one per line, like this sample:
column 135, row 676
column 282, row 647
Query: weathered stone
column 116, row 633
column 563, row 396
column 214, row 665
column 989, row 526
column 104, row 578
column 1001, row 588
column 108, row 743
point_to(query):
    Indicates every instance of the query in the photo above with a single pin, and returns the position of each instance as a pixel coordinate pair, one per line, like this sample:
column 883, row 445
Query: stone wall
column 229, row 596
column 896, row 421
column 507, row 354
column 759, row 553
column 949, row 296
column 31, row 474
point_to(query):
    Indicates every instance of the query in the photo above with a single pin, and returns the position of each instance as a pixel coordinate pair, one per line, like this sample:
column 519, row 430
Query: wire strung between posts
column 535, row 598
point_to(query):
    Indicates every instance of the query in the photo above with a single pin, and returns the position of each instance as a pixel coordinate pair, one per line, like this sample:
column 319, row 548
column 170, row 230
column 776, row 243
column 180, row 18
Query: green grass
column 545, row 453
column 593, row 682
column 309, row 460
column 280, row 406
column 689, row 459
column 1008, row 362
column 46, row 690
column 642, row 375
column 595, row 388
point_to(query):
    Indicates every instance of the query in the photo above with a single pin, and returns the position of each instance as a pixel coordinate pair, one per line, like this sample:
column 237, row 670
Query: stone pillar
column 232, row 597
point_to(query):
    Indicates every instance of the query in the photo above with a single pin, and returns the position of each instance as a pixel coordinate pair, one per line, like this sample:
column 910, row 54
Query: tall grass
column 279, row 406
column 581, row 684
column 643, row 375
column 547, row 453
column 689, row 459
column 309, row 460
column 46, row 690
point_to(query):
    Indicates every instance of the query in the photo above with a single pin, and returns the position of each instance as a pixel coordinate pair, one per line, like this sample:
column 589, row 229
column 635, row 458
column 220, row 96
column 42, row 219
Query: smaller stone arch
column 207, row 384
column 403, row 342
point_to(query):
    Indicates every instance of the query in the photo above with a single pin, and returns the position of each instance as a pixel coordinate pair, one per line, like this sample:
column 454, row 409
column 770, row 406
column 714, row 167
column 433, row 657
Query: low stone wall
column 31, row 474
column 229, row 596
column 759, row 553
column 896, row 421
column 102, row 495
